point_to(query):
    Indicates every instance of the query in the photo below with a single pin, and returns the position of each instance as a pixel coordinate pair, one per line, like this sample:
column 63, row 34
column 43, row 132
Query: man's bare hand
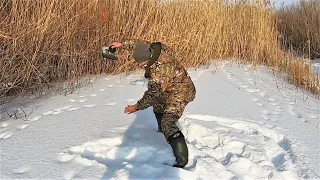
column 116, row 45
column 130, row 109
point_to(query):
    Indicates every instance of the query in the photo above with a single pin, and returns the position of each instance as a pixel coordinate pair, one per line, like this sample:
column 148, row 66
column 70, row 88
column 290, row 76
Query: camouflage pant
column 172, row 110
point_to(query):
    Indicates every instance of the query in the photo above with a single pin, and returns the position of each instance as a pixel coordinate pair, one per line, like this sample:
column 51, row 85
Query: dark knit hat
column 141, row 53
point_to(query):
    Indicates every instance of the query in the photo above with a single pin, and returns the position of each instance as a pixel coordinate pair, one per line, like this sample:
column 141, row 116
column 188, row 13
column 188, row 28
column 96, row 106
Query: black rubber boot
column 159, row 117
column 180, row 149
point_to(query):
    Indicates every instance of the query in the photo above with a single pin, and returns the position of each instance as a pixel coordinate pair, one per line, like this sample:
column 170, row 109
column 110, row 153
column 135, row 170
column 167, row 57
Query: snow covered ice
column 243, row 124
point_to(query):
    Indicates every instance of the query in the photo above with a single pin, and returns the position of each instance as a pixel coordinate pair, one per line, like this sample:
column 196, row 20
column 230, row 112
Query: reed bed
column 49, row 41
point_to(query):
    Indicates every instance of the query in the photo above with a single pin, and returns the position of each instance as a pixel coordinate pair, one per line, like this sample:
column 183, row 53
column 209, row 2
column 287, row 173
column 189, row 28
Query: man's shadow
column 143, row 153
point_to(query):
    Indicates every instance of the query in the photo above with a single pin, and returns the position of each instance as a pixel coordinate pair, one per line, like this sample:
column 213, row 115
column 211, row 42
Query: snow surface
column 285, row 3
column 315, row 65
column 243, row 124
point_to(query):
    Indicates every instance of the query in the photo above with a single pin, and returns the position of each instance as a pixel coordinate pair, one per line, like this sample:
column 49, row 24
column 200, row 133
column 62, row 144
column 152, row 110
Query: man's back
column 172, row 78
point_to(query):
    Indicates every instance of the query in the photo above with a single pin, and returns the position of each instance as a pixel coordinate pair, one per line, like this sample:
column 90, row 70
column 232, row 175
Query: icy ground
column 243, row 124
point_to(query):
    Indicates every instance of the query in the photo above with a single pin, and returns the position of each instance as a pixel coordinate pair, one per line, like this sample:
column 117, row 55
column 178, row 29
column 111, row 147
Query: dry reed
column 299, row 26
column 47, row 41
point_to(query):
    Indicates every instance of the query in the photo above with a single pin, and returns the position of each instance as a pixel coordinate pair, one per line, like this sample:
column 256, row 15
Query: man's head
column 142, row 54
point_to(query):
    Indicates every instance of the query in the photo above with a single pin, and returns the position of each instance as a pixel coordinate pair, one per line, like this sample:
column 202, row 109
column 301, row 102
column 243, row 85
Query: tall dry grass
column 299, row 26
column 43, row 42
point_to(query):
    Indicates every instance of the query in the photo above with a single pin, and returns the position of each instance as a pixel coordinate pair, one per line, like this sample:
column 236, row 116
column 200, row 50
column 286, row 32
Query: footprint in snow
column 260, row 104
column 58, row 109
column 243, row 86
column 251, row 82
column 292, row 103
column 101, row 90
column 313, row 116
column 2, row 134
column 304, row 120
column 110, row 104
column 69, row 175
column 110, row 86
column 93, row 95
column 293, row 112
column 262, row 94
column 200, row 75
column 278, row 108
column 90, row 105
column 23, row 126
column 56, row 112
column 73, row 109
column 81, row 96
column 252, row 90
column 276, row 112
column 21, row 170
column 82, row 100
column 230, row 77
column 271, row 100
column 66, row 107
column 35, row 118
column 255, row 99
column 131, row 100
column 6, row 135
column 311, row 108
column 265, row 117
column 47, row 113
column 4, row 124
column 72, row 100
column 63, row 157
column 274, row 103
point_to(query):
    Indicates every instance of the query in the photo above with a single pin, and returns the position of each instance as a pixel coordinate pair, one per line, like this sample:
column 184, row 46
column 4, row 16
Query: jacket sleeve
column 150, row 97
column 130, row 44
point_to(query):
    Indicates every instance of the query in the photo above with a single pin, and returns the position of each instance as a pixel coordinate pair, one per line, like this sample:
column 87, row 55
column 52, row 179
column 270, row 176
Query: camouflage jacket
column 169, row 80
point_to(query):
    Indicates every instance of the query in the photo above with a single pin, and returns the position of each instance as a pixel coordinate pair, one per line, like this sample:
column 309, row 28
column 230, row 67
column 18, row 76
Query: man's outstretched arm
column 129, row 44
column 150, row 97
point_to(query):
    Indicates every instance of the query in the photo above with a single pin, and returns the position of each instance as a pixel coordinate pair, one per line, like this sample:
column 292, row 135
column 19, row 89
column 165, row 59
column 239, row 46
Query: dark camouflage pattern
column 170, row 89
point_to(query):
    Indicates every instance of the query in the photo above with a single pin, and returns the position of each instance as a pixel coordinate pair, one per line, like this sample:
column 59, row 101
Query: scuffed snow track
column 238, row 149
column 139, row 154
column 231, row 149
